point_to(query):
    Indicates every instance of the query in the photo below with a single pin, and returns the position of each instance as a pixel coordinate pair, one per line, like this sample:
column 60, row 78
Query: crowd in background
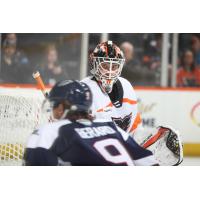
column 57, row 57
column 143, row 59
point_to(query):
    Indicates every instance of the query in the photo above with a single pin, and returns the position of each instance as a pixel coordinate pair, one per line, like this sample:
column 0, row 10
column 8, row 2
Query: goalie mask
column 107, row 61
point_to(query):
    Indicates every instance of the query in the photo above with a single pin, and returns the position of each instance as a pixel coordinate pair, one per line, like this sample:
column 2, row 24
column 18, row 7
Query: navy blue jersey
column 84, row 143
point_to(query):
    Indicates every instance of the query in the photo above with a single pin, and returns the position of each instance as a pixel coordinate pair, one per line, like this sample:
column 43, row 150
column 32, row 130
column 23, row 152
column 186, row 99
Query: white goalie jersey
column 120, row 105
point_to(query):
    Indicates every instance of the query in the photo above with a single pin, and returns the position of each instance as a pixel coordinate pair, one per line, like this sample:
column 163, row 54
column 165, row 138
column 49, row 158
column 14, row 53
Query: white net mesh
column 20, row 114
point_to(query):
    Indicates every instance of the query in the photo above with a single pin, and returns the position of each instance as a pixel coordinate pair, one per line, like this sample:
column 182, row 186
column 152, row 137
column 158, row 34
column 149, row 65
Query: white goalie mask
column 107, row 62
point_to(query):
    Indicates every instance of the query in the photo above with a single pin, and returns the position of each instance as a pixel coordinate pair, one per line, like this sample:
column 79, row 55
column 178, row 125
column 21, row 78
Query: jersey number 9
column 121, row 158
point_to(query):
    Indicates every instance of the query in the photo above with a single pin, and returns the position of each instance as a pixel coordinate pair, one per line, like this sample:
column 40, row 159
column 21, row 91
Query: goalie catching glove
column 165, row 144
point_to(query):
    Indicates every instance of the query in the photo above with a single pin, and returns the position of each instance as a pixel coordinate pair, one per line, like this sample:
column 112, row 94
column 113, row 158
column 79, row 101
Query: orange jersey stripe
column 136, row 122
column 125, row 100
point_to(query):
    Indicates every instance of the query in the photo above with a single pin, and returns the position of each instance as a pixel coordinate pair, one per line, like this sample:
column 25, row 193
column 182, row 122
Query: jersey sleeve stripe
column 130, row 101
column 136, row 122
column 125, row 100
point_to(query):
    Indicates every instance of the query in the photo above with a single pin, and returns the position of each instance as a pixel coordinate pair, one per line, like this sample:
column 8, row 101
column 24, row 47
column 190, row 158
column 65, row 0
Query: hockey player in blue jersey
column 76, row 139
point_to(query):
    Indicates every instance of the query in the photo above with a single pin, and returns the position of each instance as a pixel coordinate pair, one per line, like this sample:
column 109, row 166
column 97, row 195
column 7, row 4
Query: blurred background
column 152, row 59
column 164, row 68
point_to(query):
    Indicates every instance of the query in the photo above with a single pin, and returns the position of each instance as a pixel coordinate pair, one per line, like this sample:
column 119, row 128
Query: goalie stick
column 36, row 75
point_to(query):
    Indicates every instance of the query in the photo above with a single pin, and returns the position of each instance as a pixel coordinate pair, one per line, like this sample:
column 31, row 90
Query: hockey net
column 20, row 114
